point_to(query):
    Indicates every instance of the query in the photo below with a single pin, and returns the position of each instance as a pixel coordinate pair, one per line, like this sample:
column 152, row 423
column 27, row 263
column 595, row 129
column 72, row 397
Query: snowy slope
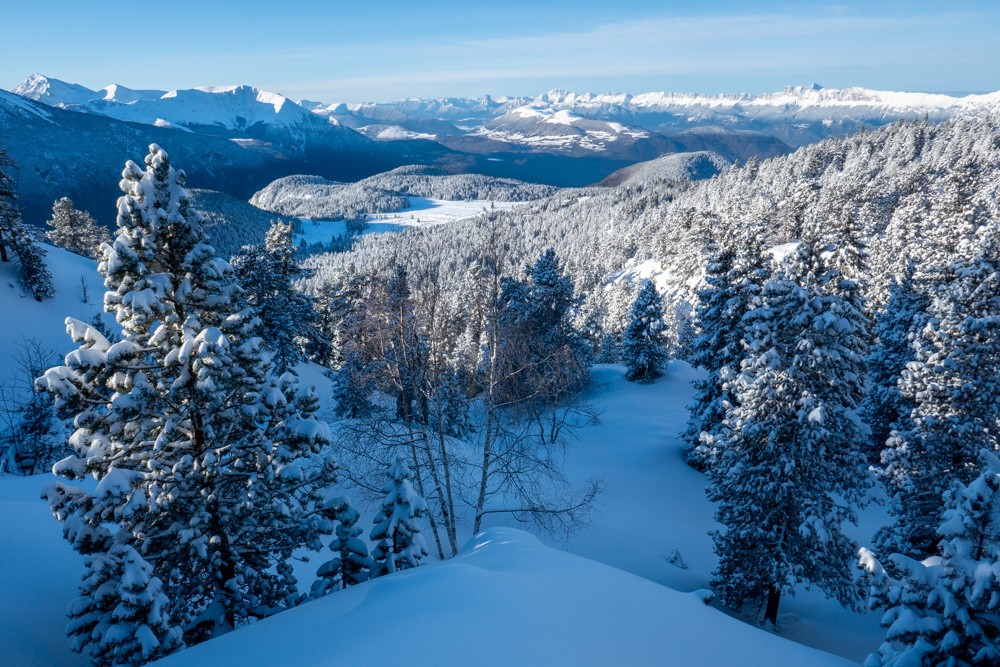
column 675, row 167
column 505, row 600
column 44, row 321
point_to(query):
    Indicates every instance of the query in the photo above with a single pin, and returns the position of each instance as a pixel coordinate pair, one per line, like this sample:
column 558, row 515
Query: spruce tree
column 550, row 359
column 945, row 610
column 208, row 464
column 400, row 544
column 788, row 469
column 75, row 230
column 643, row 341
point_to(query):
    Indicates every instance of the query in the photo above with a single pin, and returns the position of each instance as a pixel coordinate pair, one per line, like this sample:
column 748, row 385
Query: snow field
column 422, row 212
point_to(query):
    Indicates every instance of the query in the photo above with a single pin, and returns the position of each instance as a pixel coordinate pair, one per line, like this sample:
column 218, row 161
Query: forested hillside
column 893, row 183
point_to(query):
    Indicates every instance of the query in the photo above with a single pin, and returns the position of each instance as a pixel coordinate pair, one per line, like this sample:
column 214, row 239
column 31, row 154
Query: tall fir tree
column 75, row 230
column 643, row 341
column 733, row 283
column 953, row 384
column 788, row 469
column 208, row 464
column 550, row 358
column 884, row 406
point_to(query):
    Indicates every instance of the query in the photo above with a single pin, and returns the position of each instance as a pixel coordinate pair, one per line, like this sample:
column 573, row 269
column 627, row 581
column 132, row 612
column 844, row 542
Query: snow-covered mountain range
column 796, row 115
column 236, row 139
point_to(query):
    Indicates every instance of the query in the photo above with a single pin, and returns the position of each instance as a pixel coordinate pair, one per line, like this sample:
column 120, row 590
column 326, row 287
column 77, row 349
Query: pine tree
column 788, row 468
column 642, row 343
column 734, row 280
column 352, row 564
column 209, row 465
column 953, row 385
column 267, row 274
column 76, row 230
column 946, row 609
column 400, row 545
column 15, row 233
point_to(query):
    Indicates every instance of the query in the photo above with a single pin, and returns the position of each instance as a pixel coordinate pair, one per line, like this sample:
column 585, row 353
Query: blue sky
column 354, row 51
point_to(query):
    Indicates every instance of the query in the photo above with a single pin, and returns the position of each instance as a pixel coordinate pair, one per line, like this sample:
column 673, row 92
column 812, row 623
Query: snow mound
column 505, row 600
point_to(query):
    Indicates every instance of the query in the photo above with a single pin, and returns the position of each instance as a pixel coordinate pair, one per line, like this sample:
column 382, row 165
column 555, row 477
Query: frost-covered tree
column 267, row 274
column 946, row 609
column 733, row 283
column 207, row 464
column 20, row 238
column 884, row 405
column 75, row 230
column 351, row 564
column 643, row 341
column 400, row 544
column 120, row 617
column 953, row 385
column 788, row 468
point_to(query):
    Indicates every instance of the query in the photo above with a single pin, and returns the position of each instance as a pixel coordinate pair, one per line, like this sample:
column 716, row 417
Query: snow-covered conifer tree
column 734, row 279
column 643, row 341
column 946, row 609
column 953, row 385
column 267, row 273
column 351, row 565
column 884, row 405
column 120, row 617
column 75, row 230
column 553, row 358
column 788, row 468
column 208, row 464
column 400, row 544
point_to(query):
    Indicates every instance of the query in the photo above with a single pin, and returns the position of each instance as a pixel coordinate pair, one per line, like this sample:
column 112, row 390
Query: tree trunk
column 771, row 611
column 3, row 251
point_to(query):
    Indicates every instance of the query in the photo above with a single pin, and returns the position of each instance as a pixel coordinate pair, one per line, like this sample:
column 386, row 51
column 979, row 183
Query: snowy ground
column 509, row 601
column 505, row 600
column 422, row 212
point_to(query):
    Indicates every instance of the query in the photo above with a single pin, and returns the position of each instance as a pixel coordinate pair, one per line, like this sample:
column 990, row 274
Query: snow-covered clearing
column 422, row 212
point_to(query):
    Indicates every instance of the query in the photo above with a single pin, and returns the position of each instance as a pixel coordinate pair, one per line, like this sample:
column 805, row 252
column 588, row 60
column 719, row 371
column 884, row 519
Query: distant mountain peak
column 54, row 92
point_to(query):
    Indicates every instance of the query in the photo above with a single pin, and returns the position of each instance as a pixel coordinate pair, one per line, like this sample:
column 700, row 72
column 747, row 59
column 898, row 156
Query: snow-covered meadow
column 422, row 212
